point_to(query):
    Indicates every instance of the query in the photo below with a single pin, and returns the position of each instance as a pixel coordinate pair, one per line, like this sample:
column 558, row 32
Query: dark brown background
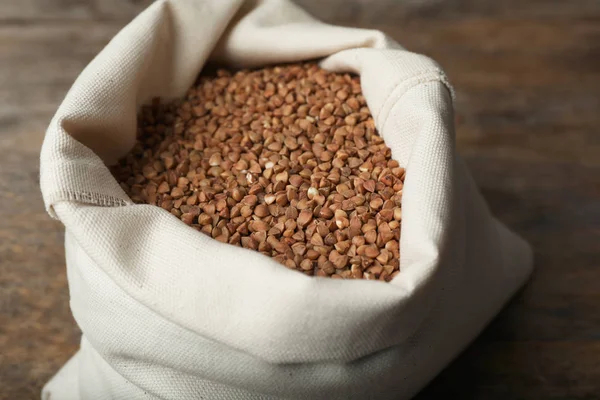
column 527, row 76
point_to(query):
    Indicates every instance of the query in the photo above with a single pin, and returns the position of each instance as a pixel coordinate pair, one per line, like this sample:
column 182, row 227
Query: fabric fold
column 167, row 312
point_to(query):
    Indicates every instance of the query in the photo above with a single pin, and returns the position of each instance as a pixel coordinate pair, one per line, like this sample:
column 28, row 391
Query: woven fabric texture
column 168, row 313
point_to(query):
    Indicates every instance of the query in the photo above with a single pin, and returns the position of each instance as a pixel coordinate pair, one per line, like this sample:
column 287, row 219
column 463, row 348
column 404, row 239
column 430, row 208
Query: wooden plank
column 339, row 11
column 32, row 11
column 527, row 78
column 520, row 370
column 39, row 64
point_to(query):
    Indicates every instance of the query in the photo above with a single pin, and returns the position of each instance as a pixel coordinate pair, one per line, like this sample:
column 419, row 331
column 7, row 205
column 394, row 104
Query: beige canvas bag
column 168, row 313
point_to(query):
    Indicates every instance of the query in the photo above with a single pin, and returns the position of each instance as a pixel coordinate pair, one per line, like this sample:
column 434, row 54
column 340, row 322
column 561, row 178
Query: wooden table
column 527, row 76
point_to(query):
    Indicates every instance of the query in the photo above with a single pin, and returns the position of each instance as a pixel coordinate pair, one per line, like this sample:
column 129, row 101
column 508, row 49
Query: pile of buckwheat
column 283, row 160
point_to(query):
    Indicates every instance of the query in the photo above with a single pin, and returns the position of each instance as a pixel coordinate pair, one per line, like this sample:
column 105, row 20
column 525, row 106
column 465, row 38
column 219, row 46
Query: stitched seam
column 94, row 199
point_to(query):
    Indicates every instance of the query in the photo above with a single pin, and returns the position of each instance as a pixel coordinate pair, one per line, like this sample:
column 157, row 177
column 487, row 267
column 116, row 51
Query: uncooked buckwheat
column 283, row 160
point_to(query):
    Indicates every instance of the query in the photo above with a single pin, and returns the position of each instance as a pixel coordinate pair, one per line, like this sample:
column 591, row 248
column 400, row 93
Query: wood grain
column 527, row 77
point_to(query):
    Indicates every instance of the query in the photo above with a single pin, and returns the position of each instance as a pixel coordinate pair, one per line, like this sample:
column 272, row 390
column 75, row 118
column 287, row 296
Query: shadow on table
column 546, row 342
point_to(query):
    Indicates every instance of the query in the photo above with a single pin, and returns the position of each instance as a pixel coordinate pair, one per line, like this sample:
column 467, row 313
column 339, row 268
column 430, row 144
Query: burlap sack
column 168, row 313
